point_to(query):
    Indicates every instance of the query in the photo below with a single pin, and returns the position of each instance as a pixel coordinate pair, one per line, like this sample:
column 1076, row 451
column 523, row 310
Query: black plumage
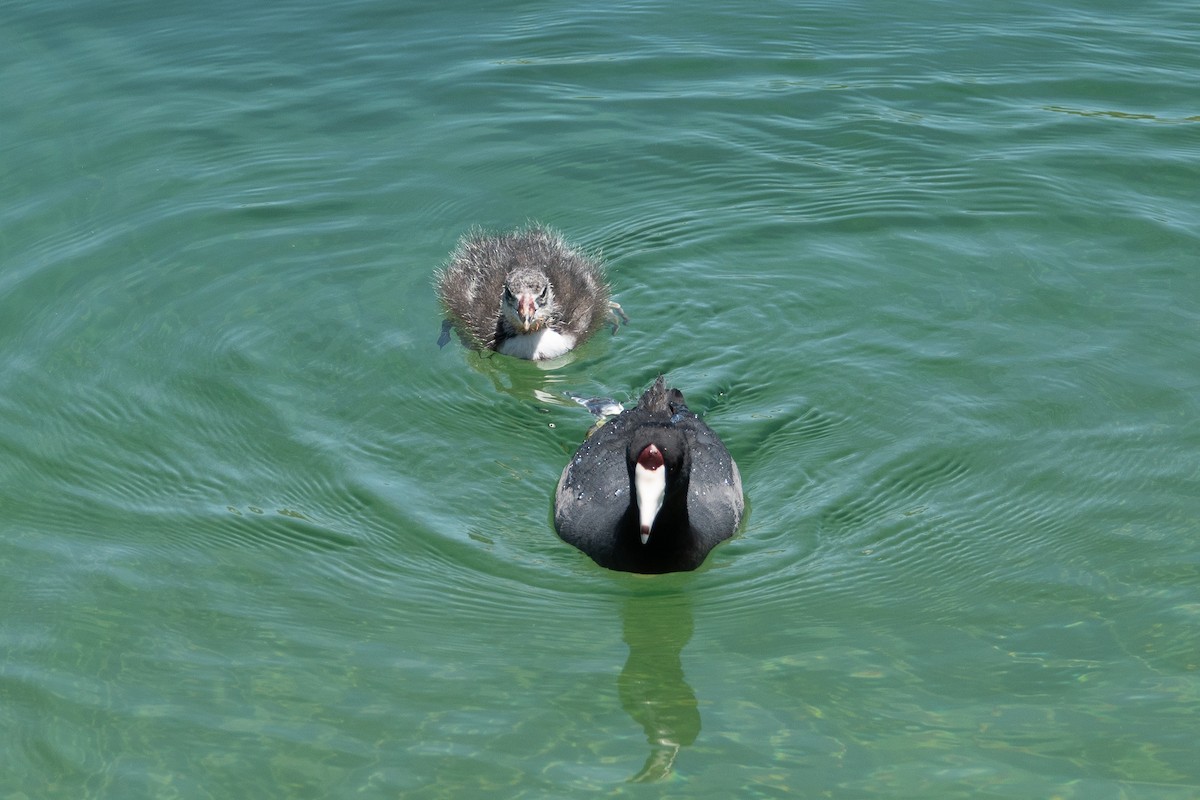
column 597, row 505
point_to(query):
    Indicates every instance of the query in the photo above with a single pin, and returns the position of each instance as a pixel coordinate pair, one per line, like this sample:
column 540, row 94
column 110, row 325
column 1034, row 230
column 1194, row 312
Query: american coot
column 526, row 293
column 651, row 491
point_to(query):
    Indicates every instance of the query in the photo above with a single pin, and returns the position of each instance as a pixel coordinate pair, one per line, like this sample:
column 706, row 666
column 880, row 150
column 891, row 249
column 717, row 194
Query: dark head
column 528, row 300
column 659, row 465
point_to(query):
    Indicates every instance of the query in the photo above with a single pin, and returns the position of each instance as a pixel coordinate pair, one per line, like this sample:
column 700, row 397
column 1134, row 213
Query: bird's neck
column 671, row 528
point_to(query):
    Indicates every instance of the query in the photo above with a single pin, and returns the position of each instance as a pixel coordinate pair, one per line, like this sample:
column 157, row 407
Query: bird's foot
column 444, row 339
column 600, row 407
column 618, row 315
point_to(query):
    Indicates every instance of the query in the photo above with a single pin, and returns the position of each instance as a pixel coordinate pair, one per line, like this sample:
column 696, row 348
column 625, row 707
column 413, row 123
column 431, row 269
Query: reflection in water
column 522, row 380
column 652, row 687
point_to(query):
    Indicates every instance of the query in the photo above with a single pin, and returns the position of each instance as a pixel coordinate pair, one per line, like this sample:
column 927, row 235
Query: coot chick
column 654, row 490
column 525, row 293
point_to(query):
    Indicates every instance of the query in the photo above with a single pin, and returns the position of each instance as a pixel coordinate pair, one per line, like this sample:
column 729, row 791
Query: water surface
column 927, row 268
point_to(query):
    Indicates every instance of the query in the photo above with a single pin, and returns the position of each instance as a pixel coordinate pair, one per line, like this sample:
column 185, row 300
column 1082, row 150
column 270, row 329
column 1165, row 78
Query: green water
column 929, row 269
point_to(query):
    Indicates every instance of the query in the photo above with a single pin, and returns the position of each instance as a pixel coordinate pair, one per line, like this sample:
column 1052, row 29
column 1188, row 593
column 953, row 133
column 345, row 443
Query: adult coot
column 526, row 293
column 651, row 491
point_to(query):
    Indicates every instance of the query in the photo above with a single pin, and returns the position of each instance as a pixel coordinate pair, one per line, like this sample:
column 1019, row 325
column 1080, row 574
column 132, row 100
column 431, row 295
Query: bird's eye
column 544, row 292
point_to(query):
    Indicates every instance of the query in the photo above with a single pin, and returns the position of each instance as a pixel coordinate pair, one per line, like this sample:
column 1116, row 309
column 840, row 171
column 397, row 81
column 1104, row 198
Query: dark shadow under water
column 652, row 686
